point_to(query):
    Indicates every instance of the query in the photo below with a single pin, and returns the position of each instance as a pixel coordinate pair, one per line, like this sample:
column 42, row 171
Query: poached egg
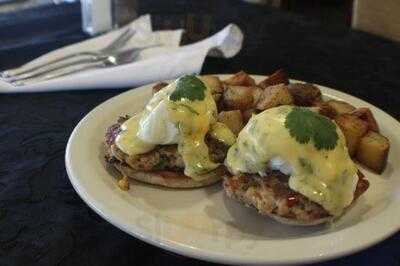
column 180, row 121
column 325, row 176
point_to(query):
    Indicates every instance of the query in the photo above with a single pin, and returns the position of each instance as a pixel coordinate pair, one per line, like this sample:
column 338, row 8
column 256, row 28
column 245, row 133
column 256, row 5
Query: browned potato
column 325, row 109
column 274, row 96
column 232, row 119
column 341, row 107
column 304, row 94
column 257, row 94
column 373, row 151
column 240, row 79
column 159, row 86
column 238, row 97
column 366, row 115
column 278, row 77
column 213, row 82
column 353, row 129
column 248, row 113
column 217, row 97
column 362, row 185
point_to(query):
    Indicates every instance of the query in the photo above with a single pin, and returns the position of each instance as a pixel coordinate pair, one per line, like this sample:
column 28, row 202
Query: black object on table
column 44, row 222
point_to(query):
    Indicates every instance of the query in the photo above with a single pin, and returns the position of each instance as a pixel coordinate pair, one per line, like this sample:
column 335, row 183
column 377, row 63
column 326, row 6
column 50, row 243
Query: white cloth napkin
column 154, row 64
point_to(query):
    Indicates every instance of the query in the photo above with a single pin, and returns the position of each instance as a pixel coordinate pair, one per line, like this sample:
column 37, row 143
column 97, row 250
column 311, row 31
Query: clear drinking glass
column 104, row 15
column 124, row 11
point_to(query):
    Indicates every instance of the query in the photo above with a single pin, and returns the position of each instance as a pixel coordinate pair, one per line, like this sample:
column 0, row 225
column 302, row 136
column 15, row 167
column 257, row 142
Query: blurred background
column 97, row 16
column 351, row 45
column 378, row 17
column 327, row 11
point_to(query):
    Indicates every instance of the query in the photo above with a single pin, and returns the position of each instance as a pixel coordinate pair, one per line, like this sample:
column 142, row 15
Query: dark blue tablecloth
column 42, row 219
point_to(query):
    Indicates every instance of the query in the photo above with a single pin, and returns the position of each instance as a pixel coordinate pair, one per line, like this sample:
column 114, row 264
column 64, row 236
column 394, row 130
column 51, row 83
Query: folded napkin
column 154, row 64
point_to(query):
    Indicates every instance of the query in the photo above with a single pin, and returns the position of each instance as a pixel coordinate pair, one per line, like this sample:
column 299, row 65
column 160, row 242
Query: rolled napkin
column 154, row 64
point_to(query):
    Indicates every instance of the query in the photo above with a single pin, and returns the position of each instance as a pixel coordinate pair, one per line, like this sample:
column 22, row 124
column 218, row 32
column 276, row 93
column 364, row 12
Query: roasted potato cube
column 159, row 86
column 248, row 113
column 325, row 109
column 213, row 82
column 304, row 94
column 257, row 94
column 362, row 185
column 341, row 107
column 238, row 97
column 353, row 129
column 278, row 77
column 240, row 79
column 373, row 151
column 366, row 115
column 232, row 119
column 217, row 97
column 274, row 96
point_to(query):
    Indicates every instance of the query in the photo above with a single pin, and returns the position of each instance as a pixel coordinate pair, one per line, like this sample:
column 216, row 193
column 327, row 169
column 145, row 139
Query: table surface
column 44, row 222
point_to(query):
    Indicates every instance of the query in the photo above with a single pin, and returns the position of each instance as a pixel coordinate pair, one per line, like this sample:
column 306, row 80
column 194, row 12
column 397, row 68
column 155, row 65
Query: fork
column 114, row 59
column 14, row 74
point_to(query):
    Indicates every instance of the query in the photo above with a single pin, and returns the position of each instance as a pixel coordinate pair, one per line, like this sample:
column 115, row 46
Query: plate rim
column 185, row 250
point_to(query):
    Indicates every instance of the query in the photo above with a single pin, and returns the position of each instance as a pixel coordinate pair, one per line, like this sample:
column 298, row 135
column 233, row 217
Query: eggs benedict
column 175, row 141
column 292, row 164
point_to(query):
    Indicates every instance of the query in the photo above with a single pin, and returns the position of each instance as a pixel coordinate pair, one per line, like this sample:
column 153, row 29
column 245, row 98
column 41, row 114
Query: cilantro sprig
column 304, row 125
column 191, row 109
column 188, row 87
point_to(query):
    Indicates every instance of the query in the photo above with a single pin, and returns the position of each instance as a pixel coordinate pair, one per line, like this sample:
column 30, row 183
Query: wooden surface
column 378, row 17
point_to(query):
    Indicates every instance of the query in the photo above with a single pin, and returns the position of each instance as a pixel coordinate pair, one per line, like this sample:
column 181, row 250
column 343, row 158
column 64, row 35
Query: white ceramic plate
column 204, row 223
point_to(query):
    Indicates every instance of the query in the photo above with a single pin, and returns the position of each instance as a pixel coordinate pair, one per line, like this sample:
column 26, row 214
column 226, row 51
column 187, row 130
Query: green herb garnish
column 306, row 164
column 191, row 109
column 162, row 162
column 304, row 125
column 188, row 87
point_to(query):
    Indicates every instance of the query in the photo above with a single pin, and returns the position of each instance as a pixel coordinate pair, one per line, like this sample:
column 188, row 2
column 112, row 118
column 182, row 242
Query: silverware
column 23, row 72
column 115, row 59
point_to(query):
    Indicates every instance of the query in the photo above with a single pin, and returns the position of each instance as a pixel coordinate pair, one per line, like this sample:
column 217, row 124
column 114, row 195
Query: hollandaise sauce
column 127, row 140
column 182, row 113
column 324, row 175
column 193, row 119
